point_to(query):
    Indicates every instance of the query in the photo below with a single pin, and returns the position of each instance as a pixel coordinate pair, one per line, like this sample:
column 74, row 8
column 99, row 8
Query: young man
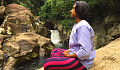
column 80, row 55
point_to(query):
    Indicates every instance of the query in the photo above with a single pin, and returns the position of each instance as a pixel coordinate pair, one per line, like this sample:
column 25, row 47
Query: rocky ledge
column 107, row 57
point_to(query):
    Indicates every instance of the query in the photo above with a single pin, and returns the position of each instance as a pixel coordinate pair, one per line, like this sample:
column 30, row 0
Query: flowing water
column 55, row 38
column 39, row 62
column 32, row 65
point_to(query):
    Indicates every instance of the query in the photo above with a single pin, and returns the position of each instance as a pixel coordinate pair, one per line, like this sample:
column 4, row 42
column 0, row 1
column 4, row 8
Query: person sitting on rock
column 81, row 53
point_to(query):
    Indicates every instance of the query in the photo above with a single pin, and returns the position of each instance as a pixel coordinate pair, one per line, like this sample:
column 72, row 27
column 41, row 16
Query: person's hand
column 65, row 54
column 66, row 51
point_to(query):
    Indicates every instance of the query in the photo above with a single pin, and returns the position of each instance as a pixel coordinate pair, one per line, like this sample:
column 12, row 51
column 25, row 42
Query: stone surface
column 39, row 29
column 18, row 19
column 2, row 38
column 2, row 31
column 1, row 57
column 108, row 57
column 25, row 46
column 18, row 39
column 2, row 8
column 11, row 62
column 42, row 68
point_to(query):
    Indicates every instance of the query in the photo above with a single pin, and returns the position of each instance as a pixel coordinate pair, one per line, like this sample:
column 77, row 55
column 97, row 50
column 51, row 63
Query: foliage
column 32, row 5
column 67, row 24
column 59, row 10
column 55, row 9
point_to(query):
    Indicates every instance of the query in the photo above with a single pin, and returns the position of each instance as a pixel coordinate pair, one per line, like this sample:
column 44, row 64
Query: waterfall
column 55, row 38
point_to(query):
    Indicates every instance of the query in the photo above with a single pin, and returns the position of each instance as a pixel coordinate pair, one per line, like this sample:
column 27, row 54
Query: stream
column 32, row 65
column 35, row 63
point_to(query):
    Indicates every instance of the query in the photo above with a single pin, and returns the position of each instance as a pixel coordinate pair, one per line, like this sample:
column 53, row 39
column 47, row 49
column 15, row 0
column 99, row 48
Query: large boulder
column 112, row 27
column 105, row 22
column 1, row 58
column 25, row 46
column 2, row 31
column 2, row 38
column 2, row 8
column 18, row 19
column 108, row 57
column 41, row 30
column 106, row 30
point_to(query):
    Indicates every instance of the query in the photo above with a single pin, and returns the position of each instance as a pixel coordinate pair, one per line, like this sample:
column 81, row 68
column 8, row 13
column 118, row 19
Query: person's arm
column 83, row 37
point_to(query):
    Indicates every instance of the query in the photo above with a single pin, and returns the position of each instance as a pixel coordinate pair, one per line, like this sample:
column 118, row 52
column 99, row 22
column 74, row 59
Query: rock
column 108, row 57
column 26, row 46
column 49, row 25
column 11, row 62
column 11, row 48
column 39, row 29
column 65, row 42
column 100, row 38
column 42, row 68
column 2, row 38
column 45, row 32
column 60, row 28
column 114, row 31
column 1, row 57
column 106, row 25
column 2, row 31
column 16, row 8
column 37, row 18
column 25, row 42
column 2, row 8
column 18, row 19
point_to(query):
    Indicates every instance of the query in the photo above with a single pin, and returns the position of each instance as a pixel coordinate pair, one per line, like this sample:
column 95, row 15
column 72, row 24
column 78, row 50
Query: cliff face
column 105, row 21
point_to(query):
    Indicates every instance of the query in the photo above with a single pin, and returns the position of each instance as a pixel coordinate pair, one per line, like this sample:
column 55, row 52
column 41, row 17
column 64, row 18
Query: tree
column 2, row 2
column 55, row 9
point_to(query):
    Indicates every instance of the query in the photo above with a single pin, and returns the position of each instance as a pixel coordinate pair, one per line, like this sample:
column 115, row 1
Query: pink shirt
column 81, row 43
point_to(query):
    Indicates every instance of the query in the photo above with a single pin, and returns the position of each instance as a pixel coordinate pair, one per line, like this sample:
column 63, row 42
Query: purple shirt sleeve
column 83, row 37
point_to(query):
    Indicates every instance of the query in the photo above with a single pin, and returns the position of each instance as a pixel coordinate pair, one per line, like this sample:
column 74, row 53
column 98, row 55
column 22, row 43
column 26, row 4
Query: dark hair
column 81, row 9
